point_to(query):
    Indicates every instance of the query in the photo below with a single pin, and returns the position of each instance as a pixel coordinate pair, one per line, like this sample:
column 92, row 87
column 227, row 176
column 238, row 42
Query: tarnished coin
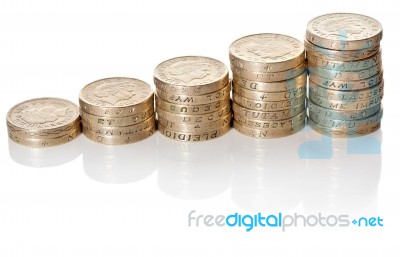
column 194, row 136
column 292, row 122
column 118, row 140
column 267, row 133
column 286, row 85
column 268, row 96
column 344, row 31
column 340, row 55
column 346, row 96
column 346, row 85
column 363, row 64
column 342, row 114
column 197, row 99
column 268, row 106
column 196, row 109
column 266, row 52
column 346, row 75
column 191, row 75
column 340, row 105
column 351, row 124
column 43, row 118
column 270, row 76
column 344, row 132
column 116, row 97
column 269, row 116
column 194, row 119
column 118, row 121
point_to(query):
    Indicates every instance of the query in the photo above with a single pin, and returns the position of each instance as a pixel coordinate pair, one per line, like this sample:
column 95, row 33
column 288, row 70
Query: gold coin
column 350, row 124
column 198, row 99
column 268, row 106
column 116, row 97
column 193, row 137
column 337, row 55
column 118, row 140
column 292, row 122
column 118, row 121
column 314, row 61
column 347, row 75
column 270, row 76
column 346, row 96
column 260, row 115
column 344, row 132
column 267, row 133
column 120, row 130
column 197, row 109
column 344, row 31
column 198, row 127
column 346, row 85
column 280, row 86
column 194, row 119
column 191, row 75
column 266, row 52
column 268, row 96
column 340, row 105
column 41, row 142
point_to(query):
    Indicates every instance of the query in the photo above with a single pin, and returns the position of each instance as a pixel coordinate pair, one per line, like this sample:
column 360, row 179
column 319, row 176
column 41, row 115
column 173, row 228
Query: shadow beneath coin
column 194, row 170
column 266, row 173
column 45, row 157
column 120, row 163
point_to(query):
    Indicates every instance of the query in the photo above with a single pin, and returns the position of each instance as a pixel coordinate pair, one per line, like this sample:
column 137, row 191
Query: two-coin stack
column 346, row 77
column 269, row 85
column 43, row 122
column 192, row 98
column 117, row 110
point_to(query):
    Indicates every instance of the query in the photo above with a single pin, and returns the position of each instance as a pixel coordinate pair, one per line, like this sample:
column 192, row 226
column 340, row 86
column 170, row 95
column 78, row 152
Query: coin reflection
column 119, row 164
column 197, row 170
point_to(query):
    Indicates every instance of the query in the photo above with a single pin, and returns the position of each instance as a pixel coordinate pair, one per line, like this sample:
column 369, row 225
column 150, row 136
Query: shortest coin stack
column 193, row 98
column 43, row 122
column 269, row 85
column 117, row 110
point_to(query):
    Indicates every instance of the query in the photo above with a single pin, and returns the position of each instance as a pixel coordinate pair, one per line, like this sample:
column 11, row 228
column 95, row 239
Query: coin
column 194, row 119
column 268, row 96
column 193, row 137
column 191, row 75
column 314, row 61
column 119, row 121
column 197, row 109
column 118, row 140
column 340, row 105
column 267, row 133
column 269, row 76
column 116, row 97
column 266, row 52
column 344, row 31
column 268, row 106
column 197, row 99
column 352, row 124
column 344, row 132
column 272, row 124
column 347, row 75
column 270, row 116
column 286, row 85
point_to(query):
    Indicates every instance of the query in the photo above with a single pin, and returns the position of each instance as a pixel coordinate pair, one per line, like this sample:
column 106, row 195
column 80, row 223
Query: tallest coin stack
column 346, row 77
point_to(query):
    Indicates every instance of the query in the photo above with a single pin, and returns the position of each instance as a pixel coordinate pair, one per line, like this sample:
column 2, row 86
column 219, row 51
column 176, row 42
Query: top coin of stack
column 346, row 76
column 193, row 98
column 117, row 110
column 269, row 85
column 43, row 122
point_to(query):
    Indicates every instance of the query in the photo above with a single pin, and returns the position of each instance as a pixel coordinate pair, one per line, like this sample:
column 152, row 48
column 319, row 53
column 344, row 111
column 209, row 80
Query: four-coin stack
column 43, row 122
column 192, row 98
column 269, row 85
column 346, row 77
column 117, row 110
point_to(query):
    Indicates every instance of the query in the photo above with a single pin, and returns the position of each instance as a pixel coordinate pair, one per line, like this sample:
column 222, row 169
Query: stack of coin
column 43, row 122
column 346, row 77
column 117, row 110
column 269, row 85
column 193, row 98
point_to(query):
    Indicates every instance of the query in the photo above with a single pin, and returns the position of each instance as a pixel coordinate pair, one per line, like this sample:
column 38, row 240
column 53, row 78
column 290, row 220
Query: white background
column 134, row 200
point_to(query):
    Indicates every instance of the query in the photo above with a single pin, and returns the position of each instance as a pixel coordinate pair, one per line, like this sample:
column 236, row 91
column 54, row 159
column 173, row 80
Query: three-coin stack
column 43, row 122
column 269, row 85
column 346, row 77
column 117, row 110
column 192, row 98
